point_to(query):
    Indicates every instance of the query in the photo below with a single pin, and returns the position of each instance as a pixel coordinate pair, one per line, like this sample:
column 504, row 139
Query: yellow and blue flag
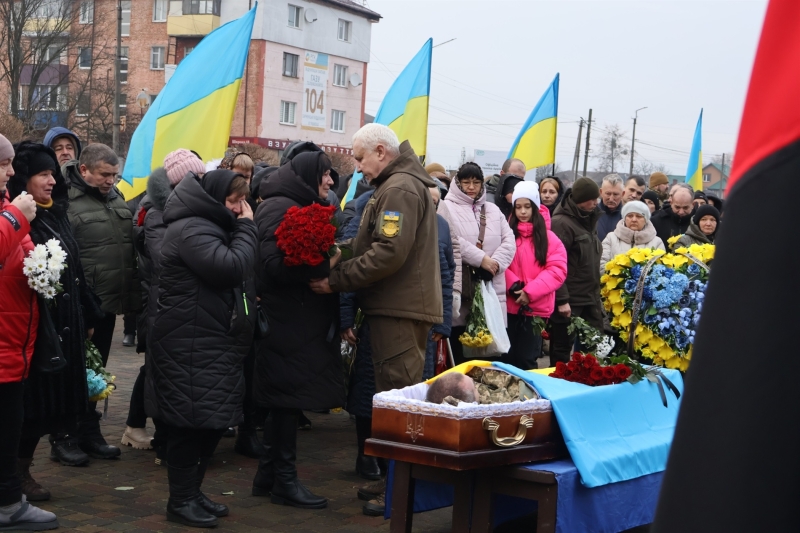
column 195, row 108
column 694, row 174
column 405, row 107
column 536, row 143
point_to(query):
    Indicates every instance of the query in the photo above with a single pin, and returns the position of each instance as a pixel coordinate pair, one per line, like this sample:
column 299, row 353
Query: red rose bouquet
column 307, row 235
column 588, row 370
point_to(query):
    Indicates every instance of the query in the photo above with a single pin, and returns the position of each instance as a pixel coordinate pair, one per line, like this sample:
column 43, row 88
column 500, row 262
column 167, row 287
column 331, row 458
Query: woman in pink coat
column 462, row 209
column 539, row 268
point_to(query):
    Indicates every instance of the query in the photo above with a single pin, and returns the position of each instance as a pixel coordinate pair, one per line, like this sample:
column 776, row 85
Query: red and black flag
column 734, row 465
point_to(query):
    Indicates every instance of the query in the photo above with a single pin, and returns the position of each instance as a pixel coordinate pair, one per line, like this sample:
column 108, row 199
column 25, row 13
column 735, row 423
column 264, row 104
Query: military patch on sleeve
column 391, row 223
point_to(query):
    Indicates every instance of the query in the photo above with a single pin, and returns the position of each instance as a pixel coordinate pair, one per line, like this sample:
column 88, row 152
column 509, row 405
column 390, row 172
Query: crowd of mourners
column 235, row 341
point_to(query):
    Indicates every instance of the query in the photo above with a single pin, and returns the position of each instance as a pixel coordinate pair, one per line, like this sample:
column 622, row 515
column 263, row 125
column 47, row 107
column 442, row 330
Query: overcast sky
column 674, row 57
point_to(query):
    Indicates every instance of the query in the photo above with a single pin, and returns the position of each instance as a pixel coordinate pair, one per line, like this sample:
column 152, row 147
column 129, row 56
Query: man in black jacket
column 673, row 219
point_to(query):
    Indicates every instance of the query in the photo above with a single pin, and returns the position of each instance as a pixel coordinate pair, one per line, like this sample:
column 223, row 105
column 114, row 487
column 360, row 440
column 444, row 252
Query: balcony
column 191, row 25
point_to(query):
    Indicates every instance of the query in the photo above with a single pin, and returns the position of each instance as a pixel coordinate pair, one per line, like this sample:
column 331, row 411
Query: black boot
column 265, row 475
column 90, row 438
column 184, row 505
column 217, row 509
column 366, row 466
column 247, row 444
column 287, row 489
column 65, row 450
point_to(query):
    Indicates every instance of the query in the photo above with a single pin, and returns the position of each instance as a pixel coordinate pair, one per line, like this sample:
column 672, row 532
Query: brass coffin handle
column 525, row 422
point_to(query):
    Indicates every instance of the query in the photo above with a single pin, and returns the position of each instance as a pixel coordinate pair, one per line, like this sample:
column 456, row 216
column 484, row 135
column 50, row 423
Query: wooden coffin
column 405, row 427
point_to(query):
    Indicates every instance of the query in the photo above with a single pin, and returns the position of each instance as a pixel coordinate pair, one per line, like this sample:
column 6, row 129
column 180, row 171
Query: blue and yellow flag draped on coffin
column 195, row 108
column 405, row 107
column 536, row 143
column 694, row 174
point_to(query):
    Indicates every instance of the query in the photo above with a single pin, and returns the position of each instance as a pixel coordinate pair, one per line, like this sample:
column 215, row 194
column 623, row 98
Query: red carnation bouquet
column 588, row 370
column 307, row 235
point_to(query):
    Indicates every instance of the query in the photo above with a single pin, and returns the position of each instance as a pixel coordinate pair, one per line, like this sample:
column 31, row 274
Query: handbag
column 48, row 356
column 261, row 331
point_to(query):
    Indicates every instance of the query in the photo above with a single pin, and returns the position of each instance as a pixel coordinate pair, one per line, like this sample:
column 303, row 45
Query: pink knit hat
column 179, row 162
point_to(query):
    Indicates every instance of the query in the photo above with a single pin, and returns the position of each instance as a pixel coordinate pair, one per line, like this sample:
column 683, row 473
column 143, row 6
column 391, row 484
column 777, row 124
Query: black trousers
column 526, row 347
column 11, row 408
column 185, row 446
column 561, row 342
column 103, row 334
column 137, row 418
column 455, row 344
column 129, row 322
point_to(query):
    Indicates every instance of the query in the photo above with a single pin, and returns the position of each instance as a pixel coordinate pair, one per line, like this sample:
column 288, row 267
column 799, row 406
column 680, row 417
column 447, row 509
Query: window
column 290, row 64
column 85, row 57
column 43, row 97
column 340, row 75
column 86, row 12
column 287, row 112
column 201, row 7
column 50, row 9
column 157, row 58
column 706, row 178
column 337, row 121
column 294, row 16
column 52, row 54
column 159, row 10
column 126, row 17
column 344, row 30
column 123, row 64
column 84, row 105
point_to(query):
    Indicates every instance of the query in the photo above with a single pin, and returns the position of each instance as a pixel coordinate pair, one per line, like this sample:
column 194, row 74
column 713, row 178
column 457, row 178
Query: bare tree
column 645, row 168
column 717, row 160
column 49, row 57
column 543, row 172
column 610, row 154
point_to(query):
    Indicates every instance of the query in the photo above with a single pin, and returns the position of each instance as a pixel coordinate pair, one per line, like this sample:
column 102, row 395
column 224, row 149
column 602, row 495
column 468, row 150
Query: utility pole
column 722, row 177
column 117, row 85
column 613, row 149
column 577, row 159
column 633, row 137
column 588, row 133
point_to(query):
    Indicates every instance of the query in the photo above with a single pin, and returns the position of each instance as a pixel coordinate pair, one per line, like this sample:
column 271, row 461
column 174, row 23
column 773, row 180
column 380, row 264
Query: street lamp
column 633, row 137
column 143, row 99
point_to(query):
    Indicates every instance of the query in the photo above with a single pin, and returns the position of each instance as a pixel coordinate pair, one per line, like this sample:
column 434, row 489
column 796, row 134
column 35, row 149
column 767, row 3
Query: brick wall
column 251, row 94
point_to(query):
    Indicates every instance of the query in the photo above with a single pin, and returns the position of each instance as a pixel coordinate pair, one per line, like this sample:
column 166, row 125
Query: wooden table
column 460, row 470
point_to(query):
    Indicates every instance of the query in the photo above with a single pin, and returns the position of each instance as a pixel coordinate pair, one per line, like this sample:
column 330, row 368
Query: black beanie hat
column 40, row 161
column 705, row 210
column 653, row 197
column 509, row 184
column 700, row 195
column 584, row 189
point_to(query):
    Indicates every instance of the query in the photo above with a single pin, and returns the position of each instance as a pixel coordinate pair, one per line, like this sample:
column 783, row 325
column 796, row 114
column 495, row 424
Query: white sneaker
column 137, row 438
column 26, row 517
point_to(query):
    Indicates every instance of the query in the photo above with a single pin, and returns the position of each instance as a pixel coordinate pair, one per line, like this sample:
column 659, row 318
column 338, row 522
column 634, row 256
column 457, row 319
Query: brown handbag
column 470, row 275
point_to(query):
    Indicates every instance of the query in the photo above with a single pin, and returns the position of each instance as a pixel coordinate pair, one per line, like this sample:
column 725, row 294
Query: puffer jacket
column 623, row 239
column 694, row 235
column 395, row 265
column 19, row 310
column 103, row 227
column 463, row 214
column 541, row 282
column 577, row 230
column 608, row 220
column 203, row 327
column 668, row 224
column 299, row 365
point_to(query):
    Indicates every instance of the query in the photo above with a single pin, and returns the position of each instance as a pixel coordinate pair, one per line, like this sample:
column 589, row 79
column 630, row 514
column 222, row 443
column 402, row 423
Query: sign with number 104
column 315, row 82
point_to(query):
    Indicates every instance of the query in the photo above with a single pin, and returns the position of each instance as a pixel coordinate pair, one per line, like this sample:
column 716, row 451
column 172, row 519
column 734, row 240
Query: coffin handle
column 525, row 422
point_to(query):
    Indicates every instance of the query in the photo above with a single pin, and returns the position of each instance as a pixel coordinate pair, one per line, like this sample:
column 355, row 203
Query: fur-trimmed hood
column 158, row 188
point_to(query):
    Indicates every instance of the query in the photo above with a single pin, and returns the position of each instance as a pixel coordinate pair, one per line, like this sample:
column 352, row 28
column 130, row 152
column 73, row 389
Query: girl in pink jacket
column 539, row 268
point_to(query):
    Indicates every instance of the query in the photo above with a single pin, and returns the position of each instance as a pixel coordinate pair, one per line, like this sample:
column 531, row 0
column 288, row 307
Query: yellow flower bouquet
column 671, row 297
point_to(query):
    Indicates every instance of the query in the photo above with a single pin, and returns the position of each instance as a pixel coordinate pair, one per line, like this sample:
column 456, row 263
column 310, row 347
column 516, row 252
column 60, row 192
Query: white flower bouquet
column 44, row 266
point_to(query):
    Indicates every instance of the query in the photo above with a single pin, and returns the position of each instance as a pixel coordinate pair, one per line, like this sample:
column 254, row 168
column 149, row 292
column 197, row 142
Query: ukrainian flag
column 195, row 108
column 694, row 174
column 405, row 107
column 536, row 143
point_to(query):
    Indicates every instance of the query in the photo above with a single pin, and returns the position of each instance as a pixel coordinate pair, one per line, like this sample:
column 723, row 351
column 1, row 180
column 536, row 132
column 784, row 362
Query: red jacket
column 19, row 313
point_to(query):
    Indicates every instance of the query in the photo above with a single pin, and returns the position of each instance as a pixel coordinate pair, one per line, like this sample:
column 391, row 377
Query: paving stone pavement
column 86, row 499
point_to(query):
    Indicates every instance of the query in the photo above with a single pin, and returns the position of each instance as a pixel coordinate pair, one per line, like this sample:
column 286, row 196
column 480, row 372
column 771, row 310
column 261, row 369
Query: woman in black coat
column 299, row 365
column 54, row 401
column 202, row 331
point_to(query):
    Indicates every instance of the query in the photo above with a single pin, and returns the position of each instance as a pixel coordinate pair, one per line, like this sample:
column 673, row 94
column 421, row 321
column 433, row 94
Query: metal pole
column 613, row 149
column 588, row 133
column 117, row 86
column 722, row 178
column 633, row 137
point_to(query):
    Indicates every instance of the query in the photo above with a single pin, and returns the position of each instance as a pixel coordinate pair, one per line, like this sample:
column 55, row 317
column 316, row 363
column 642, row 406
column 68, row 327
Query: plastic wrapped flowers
column 672, row 300
column 477, row 333
column 99, row 382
